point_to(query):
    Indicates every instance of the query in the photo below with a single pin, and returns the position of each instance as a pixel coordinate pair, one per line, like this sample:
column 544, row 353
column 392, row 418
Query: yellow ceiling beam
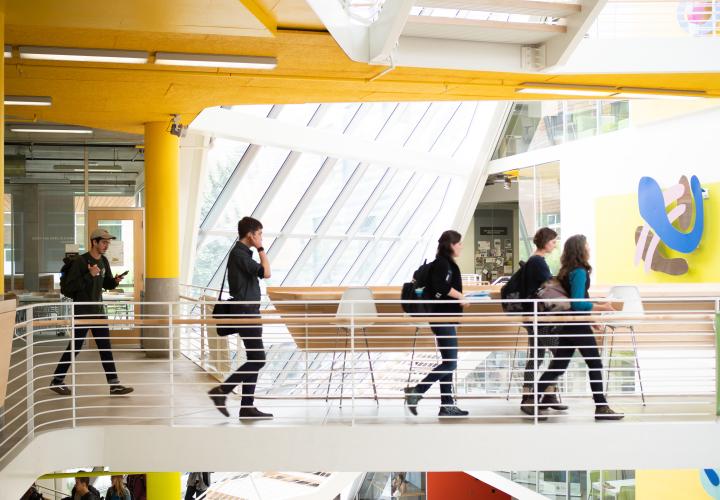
column 261, row 14
column 311, row 68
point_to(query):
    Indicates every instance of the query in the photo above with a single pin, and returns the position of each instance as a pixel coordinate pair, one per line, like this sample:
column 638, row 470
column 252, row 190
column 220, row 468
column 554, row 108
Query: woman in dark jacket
column 535, row 273
column 574, row 275
column 445, row 283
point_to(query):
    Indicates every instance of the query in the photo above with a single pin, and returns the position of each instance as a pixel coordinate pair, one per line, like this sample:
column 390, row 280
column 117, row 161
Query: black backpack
column 64, row 270
column 416, row 291
column 514, row 290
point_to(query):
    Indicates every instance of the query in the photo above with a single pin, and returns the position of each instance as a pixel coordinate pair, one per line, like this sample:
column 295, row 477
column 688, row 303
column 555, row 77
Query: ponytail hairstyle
column 445, row 242
column 574, row 255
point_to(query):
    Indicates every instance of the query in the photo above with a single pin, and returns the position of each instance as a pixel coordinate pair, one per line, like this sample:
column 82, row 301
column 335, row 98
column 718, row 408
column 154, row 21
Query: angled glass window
column 299, row 176
column 352, row 206
column 344, row 263
column 222, row 159
column 260, row 173
column 332, row 221
column 285, row 261
column 379, row 211
column 320, row 251
column 338, row 176
column 213, row 251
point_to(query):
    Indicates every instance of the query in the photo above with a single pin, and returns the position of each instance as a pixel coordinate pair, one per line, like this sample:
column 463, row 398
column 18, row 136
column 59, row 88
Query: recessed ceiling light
column 215, row 60
column 49, row 129
column 84, row 55
column 8, row 51
column 23, row 100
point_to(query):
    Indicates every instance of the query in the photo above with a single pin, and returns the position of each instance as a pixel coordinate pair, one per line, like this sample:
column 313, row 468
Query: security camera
column 177, row 128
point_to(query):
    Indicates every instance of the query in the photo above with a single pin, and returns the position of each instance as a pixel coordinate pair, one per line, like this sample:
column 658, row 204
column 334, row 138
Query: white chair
column 348, row 308
column 633, row 306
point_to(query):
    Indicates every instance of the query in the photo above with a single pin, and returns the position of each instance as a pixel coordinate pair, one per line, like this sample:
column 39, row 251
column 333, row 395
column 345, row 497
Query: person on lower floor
column 88, row 275
column 536, row 272
column 244, row 275
column 83, row 490
column 575, row 277
column 197, row 484
column 117, row 489
column 445, row 283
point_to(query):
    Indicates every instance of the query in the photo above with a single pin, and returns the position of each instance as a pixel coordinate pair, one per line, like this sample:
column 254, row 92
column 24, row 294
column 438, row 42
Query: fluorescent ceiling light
column 638, row 92
column 92, row 167
column 23, row 100
column 84, row 55
column 49, row 129
column 8, row 51
column 215, row 61
column 103, row 193
column 574, row 90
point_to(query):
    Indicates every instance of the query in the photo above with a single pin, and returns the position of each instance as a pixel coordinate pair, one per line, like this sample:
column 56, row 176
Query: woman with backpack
column 445, row 284
column 536, row 272
column 574, row 276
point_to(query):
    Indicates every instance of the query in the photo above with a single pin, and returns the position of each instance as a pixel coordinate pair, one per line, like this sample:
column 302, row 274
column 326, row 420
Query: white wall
column 612, row 164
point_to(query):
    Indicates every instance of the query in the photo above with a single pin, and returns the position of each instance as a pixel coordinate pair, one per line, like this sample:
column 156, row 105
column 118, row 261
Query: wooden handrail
column 370, row 321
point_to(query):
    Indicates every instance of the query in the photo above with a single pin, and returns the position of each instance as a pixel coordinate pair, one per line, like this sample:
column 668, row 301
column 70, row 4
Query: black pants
column 547, row 339
column 247, row 373
column 582, row 338
column 447, row 344
column 101, row 334
column 191, row 493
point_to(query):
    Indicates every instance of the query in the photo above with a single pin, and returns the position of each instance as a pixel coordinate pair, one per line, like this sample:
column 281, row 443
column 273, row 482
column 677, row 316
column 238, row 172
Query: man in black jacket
column 83, row 490
column 244, row 275
column 86, row 278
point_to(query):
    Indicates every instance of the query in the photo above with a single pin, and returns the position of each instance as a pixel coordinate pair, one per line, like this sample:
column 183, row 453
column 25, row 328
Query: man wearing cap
column 88, row 275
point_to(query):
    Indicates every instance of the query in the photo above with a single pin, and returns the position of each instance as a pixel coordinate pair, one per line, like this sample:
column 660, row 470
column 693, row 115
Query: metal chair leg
column 412, row 356
column 511, row 364
column 332, row 370
column 637, row 363
column 610, row 358
column 342, row 375
column 372, row 373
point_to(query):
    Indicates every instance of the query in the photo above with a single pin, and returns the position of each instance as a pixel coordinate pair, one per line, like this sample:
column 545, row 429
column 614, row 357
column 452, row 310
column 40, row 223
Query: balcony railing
column 350, row 368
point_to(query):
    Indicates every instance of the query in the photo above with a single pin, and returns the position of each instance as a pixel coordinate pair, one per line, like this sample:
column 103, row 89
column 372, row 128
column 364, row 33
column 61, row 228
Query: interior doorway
column 126, row 253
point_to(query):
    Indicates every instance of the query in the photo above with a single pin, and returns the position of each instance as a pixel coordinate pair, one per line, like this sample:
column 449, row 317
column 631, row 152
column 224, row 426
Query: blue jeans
column 447, row 344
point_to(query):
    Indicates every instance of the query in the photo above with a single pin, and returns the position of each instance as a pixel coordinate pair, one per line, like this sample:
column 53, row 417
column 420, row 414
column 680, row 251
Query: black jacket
column 444, row 275
column 244, row 274
column 92, row 494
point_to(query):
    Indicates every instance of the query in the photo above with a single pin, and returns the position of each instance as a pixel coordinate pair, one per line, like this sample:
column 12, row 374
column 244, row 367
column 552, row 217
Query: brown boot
column 527, row 405
column 551, row 400
column 604, row 412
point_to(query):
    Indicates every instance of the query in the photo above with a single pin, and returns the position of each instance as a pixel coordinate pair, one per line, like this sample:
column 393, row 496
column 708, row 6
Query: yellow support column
column 163, row 486
column 162, row 230
column 2, row 144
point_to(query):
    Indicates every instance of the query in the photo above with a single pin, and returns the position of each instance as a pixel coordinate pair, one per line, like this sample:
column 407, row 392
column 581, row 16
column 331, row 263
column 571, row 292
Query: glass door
column 125, row 254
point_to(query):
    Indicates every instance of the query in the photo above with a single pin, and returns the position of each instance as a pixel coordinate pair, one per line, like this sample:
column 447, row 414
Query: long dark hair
column 574, row 255
column 445, row 242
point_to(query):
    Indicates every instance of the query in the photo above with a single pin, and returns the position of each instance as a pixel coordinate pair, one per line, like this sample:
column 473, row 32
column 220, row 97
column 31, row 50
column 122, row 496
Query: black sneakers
column 452, row 411
column 119, row 390
column 218, row 398
column 412, row 399
column 253, row 412
column 60, row 388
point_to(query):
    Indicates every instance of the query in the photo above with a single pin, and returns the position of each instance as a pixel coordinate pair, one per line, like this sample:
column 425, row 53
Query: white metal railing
column 325, row 367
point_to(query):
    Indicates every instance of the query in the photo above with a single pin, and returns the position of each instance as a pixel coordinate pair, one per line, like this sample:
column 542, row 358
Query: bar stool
column 632, row 305
column 365, row 307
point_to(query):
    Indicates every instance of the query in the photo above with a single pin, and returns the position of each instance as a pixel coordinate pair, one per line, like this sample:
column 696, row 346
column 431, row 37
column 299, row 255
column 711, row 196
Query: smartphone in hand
column 123, row 274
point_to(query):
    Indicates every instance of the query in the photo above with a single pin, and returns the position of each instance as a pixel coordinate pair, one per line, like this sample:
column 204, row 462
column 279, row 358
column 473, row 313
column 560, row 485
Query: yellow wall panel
column 669, row 485
column 617, row 217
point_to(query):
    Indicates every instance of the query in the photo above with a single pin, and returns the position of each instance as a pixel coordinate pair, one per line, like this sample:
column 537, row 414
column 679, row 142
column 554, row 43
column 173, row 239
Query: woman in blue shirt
column 575, row 277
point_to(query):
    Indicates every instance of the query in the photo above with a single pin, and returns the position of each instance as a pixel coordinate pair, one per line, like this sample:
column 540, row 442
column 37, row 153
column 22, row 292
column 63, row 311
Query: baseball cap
column 102, row 234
